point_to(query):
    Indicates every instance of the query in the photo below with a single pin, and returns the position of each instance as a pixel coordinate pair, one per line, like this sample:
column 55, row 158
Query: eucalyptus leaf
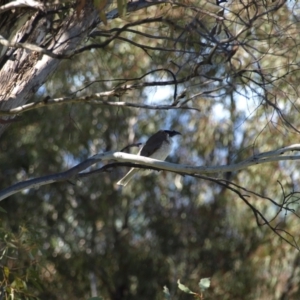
column 184, row 288
column 166, row 293
column 204, row 284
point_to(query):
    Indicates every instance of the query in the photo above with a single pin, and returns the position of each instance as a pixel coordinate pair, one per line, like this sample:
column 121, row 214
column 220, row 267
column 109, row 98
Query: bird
column 158, row 146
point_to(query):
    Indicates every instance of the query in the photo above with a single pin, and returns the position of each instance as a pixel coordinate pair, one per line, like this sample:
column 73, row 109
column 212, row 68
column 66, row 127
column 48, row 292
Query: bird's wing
column 152, row 144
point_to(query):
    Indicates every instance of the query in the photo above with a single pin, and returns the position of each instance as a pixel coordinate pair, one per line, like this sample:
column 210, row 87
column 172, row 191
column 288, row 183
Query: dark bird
column 158, row 147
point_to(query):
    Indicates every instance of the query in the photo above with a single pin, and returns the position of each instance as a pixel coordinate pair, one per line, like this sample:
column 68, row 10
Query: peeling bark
column 24, row 71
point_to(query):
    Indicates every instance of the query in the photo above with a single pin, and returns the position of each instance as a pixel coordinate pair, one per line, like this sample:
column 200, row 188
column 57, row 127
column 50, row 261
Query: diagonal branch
column 92, row 99
column 149, row 163
column 21, row 3
column 31, row 47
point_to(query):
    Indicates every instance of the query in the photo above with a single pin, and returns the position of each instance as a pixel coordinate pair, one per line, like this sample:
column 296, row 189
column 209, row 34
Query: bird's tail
column 124, row 181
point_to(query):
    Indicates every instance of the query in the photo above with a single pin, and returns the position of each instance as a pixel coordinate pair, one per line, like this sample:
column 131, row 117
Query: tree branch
column 31, row 47
column 21, row 3
column 93, row 99
column 149, row 163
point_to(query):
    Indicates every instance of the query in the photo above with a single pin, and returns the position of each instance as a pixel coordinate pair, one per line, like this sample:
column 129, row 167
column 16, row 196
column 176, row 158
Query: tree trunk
column 23, row 71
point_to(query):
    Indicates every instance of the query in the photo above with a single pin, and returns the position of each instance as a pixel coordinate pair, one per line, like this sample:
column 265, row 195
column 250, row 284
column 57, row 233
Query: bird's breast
column 162, row 152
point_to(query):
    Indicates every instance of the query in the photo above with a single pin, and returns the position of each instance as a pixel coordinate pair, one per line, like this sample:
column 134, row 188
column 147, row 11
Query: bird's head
column 171, row 133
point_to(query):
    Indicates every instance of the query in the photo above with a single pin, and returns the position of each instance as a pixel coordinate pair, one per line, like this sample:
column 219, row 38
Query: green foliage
column 21, row 261
column 122, row 5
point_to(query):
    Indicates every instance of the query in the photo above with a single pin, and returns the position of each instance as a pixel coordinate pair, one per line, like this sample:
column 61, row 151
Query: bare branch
column 257, row 214
column 31, row 47
column 92, row 99
column 149, row 163
column 21, row 3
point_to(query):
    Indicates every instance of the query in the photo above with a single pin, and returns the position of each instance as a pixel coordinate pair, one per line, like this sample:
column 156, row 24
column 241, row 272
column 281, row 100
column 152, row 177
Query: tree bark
column 25, row 24
column 23, row 71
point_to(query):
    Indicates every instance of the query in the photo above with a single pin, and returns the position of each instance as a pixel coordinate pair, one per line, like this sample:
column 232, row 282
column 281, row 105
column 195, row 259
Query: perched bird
column 158, row 146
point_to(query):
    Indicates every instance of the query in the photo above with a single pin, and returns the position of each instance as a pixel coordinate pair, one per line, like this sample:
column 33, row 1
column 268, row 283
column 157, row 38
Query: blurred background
column 90, row 238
